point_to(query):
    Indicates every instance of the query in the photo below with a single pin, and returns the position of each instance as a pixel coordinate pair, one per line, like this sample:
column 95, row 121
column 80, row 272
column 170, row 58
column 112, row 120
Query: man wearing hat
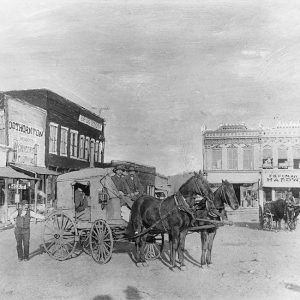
column 134, row 183
column 21, row 219
column 122, row 186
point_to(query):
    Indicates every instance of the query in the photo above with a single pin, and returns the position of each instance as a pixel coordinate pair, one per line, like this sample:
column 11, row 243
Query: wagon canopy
column 89, row 177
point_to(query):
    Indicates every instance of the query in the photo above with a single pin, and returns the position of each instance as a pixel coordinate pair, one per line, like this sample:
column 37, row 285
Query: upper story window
column 232, row 158
column 87, row 148
column 267, row 157
column 81, row 147
column 96, row 152
column 73, row 143
column 216, row 162
column 53, row 138
column 282, row 157
column 64, row 141
column 296, row 157
column 248, row 158
column 101, row 151
column 92, row 150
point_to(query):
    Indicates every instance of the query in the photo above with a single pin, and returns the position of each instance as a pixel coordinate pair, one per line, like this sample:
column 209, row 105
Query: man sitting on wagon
column 134, row 183
column 82, row 210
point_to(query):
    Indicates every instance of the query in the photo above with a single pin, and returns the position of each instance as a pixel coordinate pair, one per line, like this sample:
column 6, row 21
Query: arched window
column 232, row 158
column 216, row 162
column 282, row 157
column 248, row 158
column 267, row 157
column 296, row 156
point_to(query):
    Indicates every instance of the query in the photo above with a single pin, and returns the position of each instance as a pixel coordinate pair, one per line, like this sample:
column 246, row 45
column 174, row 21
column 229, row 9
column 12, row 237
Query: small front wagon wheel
column 101, row 242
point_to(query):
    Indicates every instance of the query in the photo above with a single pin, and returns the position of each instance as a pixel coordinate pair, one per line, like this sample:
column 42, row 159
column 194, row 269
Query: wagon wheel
column 101, row 242
column 59, row 236
column 152, row 248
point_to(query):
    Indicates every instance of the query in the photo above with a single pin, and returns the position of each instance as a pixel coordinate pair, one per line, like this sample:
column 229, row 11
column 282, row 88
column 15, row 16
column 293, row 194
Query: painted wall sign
column 90, row 122
column 281, row 179
column 26, row 133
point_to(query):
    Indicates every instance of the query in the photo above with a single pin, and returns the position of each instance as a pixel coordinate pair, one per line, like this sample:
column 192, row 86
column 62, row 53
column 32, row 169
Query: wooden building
column 43, row 134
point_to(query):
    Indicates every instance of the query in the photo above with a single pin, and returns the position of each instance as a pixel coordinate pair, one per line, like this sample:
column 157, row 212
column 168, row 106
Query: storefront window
column 267, row 157
column 97, row 151
column 296, row 157
column 232, row 158
column 282, row 158
column 248, row 158
column 216, row 163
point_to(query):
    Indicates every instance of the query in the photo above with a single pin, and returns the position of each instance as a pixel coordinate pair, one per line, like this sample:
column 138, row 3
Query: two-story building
column 262, row 162
column 232, row 152
column 43, row 134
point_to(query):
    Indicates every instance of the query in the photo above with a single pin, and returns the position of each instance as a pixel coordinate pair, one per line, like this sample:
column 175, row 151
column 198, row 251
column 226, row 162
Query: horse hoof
column 183, row 268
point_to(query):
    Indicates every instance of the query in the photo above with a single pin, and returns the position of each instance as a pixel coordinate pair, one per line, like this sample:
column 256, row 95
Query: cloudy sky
column 163, row 68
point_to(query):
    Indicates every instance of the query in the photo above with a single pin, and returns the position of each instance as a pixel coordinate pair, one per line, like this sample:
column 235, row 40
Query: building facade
column 43, row 135
column 261, row 163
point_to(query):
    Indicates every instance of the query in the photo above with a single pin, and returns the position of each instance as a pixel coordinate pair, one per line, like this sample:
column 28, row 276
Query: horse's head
column 197, row 187
column 229, row 195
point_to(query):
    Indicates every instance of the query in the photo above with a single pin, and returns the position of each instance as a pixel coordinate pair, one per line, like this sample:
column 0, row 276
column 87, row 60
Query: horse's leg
column 175, row 243
column 143, row 243
column 170, row 246
column 181, row 248
column 204, row 244
column 162, row 243
column 138, row 249
column 211, row 237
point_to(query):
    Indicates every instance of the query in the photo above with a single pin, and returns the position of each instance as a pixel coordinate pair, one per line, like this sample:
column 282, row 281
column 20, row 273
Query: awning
column 8, row 172
column 34, row 169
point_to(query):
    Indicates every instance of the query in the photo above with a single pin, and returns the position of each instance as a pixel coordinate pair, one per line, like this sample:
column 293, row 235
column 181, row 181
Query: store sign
column 17, row 186
column 26, row 133
column 90, row 122
column 283, row 179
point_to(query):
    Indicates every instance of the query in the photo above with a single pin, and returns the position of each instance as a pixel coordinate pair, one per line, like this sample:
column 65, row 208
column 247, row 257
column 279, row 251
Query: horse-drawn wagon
column 95, row 228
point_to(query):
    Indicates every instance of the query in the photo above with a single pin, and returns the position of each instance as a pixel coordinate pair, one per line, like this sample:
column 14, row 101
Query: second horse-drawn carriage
column 96, row 228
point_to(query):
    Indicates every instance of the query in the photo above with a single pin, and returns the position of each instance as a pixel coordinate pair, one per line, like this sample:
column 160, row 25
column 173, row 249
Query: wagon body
column 102, row 222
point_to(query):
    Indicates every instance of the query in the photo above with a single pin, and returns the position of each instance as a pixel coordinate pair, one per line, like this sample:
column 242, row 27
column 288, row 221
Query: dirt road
column 247, row 264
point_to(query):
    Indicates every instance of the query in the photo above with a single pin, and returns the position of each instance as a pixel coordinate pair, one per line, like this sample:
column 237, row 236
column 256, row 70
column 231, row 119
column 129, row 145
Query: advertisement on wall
column 26, row 133
column 284, row 179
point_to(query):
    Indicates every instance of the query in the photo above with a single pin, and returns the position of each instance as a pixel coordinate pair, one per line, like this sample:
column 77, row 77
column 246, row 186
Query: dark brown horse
column 172, row 215
column 223, row 195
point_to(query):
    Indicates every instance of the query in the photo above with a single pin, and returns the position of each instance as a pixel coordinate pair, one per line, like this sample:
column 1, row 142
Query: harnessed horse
column 223, row 195
column 172, row 215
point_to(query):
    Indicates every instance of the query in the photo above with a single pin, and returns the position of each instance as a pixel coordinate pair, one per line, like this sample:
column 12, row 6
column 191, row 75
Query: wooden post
column 6, row 199
column 35, row 192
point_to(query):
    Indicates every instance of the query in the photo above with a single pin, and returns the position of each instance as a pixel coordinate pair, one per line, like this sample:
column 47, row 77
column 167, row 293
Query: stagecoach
column 67, row 233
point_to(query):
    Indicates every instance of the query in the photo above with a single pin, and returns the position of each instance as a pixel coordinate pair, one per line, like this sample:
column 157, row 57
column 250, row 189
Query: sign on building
column 26, row 133
column 90, row 122
column 284, row 179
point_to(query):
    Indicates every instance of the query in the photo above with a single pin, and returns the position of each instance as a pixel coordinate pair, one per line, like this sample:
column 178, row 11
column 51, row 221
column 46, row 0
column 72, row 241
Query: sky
column 158, row 70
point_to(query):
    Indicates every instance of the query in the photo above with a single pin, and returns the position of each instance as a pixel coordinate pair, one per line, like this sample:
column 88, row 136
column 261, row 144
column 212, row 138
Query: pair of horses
column 176, row 214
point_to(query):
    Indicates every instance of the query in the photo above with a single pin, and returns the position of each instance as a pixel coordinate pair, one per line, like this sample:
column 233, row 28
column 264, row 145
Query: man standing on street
column 21, row 219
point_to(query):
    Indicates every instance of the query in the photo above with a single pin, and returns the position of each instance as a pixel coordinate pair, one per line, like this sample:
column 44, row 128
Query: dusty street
column 247, row 264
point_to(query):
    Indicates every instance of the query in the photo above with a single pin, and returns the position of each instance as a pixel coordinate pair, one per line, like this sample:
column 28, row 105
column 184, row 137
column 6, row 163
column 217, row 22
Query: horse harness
column 180, row 204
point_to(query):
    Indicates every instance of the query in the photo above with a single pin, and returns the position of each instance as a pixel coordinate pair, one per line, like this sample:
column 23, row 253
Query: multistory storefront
column 262, row 163
column 232, row 152
column 280, row 148
column 43, row 135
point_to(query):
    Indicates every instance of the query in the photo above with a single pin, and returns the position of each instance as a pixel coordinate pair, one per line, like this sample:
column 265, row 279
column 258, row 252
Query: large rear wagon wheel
column 59, row 236
column 101, row 242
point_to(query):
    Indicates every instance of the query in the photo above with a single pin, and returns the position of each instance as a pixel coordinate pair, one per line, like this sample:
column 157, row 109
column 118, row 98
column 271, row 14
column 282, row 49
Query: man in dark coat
column 122, row 186
column 134, row 183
